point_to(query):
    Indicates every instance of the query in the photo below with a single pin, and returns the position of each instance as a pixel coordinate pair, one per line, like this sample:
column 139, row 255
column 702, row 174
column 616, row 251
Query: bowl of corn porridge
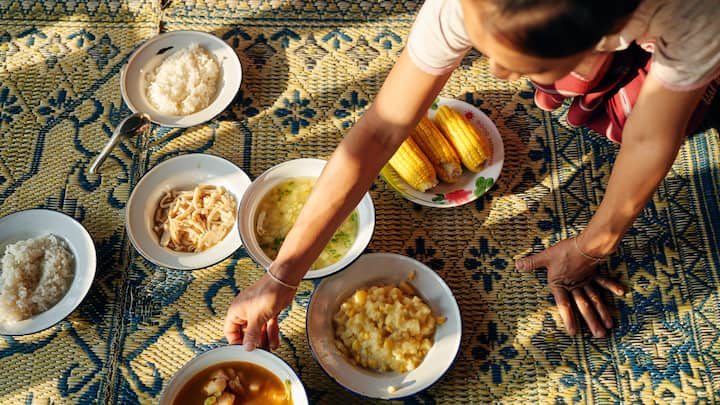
column 271, row 204
column 387, row 327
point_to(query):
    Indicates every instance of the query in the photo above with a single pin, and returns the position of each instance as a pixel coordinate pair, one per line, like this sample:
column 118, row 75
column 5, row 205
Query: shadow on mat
column 661, row 254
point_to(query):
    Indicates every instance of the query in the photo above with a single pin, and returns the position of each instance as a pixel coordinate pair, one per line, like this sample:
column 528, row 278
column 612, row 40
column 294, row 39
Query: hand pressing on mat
column 252, row 316
column 571, row 278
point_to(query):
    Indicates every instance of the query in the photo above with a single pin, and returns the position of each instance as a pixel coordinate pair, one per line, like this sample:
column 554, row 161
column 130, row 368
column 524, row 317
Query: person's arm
column 651, row 139
column 405, row 96
column 654, row 132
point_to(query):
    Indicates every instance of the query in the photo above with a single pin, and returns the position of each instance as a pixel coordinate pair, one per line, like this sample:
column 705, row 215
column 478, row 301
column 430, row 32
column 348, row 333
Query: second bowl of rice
column 47, row 266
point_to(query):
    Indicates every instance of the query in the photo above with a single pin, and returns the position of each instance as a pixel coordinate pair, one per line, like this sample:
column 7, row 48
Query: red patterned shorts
column 604, row 101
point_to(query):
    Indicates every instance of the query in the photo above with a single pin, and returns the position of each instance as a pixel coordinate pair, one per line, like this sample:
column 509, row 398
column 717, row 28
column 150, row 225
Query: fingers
column 273, row 333
column 252, row 339
column 588, row 312
column 263, row 337
column 239, row 331
column 599, row 305
column 233, row 329
column 533, row 262
column 563, row 303
column 610, row 285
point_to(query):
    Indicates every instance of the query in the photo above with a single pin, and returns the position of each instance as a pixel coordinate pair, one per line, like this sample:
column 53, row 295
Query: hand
column 252, row 317
column 571, row 275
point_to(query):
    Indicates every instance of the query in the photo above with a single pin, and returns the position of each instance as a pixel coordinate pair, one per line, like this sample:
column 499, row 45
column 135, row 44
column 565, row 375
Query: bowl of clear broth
column 272, row 203
column 230, row 375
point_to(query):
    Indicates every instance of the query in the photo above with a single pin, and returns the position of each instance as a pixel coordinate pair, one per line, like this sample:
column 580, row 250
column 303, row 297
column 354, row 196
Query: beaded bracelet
column 585, row 255
column 282, row 283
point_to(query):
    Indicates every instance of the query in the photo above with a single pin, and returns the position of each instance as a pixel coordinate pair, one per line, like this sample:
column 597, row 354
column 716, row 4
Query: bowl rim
column 89, row 273
column 311, row 274
column 128, row 212
column 442, row 375
column 238, row 348
column 165, row 36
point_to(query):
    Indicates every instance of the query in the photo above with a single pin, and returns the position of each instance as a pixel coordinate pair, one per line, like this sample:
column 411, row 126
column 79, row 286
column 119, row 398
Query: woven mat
column 323, row 62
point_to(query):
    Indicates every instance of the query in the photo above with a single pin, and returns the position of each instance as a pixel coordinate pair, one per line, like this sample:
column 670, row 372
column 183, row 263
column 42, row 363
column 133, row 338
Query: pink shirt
column 683, row 35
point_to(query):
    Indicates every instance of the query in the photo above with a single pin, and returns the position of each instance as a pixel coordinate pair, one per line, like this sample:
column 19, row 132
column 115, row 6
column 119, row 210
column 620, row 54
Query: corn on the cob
column 438, row 149
column 472, row 147
column 413, row 166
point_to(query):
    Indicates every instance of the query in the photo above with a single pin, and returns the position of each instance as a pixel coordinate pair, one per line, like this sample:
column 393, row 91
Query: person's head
column 543, row 39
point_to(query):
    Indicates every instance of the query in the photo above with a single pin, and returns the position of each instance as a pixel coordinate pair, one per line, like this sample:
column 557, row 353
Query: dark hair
column 555, row 28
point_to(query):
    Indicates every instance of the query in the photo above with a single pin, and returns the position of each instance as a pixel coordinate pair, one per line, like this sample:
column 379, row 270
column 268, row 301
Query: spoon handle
column 130, row 126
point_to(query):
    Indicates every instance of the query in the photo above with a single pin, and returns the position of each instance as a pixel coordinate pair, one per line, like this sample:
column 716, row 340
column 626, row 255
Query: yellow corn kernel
column 438, row 149
column 413, row 166
column 360, row 297
column 472, row 147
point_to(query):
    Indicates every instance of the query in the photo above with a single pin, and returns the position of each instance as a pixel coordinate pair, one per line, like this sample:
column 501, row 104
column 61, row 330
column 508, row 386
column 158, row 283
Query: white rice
column 184, row 82
column 36, row 274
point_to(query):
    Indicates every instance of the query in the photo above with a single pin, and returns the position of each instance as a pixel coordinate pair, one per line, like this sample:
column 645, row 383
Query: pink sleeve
column 438, row 41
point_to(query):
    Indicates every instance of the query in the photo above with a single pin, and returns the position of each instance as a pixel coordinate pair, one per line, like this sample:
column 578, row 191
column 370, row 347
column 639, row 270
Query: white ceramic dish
column 181, row 172
column 150, row 54
column 471, row 185
column 37, row 222
column 224, row 354
column 277, row 174
column 373, row 269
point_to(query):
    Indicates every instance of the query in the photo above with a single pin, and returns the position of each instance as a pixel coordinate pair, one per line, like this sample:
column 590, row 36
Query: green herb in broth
column 280, row 208
column 288, row 390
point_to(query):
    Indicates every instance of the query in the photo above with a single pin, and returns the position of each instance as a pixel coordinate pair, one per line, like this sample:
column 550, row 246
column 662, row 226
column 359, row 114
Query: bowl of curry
column 230, row 375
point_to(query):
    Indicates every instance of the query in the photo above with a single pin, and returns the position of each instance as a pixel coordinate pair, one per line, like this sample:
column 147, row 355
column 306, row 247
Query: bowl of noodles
column 182, row 214
column 271, row 205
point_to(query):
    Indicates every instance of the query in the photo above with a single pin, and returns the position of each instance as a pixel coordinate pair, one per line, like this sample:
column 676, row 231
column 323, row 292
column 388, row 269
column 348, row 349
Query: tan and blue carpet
column 311, row 69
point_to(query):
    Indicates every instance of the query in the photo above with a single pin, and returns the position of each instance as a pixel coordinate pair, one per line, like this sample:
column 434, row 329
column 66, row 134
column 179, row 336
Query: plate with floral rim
column 471, row 185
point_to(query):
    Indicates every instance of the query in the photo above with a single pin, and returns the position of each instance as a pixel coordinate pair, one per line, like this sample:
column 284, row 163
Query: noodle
column 194, row 220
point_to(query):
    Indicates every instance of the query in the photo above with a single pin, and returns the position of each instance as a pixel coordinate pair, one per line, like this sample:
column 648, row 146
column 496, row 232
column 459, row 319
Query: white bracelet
column 282, row 283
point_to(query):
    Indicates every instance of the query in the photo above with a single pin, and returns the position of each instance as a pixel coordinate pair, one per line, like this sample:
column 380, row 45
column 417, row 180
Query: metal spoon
column 135, row 124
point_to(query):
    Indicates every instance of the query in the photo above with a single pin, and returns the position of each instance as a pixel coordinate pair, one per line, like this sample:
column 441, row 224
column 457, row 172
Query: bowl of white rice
column 47, row 265
column 181, row 78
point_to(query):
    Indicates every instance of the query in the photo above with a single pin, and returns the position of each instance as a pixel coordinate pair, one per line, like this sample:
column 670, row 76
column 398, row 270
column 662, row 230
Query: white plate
column 38, row 222
column 279, row 173
column 181, row 172
column 373, row 269
column 150, row 54
column 224, row 354
column 471, row 185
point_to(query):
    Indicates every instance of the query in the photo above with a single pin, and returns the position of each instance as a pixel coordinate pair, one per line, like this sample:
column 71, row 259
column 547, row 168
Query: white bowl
column 224, row 354
column 374, row 269
column 150, row 54
column 276, row 175
column 181, row 172
column 37, row 222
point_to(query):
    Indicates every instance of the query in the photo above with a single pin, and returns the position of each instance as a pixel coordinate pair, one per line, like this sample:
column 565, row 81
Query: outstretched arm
column 404, row 97
column 652, row 137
